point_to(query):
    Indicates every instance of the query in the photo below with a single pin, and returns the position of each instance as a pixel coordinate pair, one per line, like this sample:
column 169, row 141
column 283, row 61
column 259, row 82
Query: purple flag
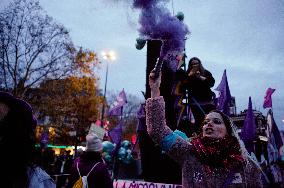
column 267, row 103
column 117, row 107
column 248, row 133
column 116, row 135
column 224, row 98
column 275, row 136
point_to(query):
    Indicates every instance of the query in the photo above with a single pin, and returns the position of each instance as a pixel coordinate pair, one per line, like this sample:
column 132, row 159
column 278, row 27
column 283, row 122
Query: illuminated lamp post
column 108, row 56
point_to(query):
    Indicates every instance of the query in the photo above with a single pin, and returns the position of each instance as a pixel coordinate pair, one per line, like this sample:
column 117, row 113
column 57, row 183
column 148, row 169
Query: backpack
column 82, row 182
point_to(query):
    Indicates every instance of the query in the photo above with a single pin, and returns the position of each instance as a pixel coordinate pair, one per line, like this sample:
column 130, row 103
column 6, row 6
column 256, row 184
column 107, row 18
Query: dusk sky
column 245, row 37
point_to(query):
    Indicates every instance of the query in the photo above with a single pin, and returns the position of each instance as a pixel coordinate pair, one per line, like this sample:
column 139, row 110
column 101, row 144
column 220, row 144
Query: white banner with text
column 142, row 184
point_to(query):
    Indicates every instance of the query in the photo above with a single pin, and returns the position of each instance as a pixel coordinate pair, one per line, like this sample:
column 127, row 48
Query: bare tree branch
column 34, row 47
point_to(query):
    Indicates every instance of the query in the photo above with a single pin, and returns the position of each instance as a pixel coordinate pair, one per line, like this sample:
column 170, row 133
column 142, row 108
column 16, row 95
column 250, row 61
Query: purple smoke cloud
column 157, row 22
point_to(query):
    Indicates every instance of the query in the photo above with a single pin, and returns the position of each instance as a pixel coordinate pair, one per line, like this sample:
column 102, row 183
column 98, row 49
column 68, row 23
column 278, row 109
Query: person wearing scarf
column 214, row 158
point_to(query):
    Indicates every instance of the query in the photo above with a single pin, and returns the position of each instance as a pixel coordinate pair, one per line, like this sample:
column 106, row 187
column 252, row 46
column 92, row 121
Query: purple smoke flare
column 157, row 23
column 142, row 4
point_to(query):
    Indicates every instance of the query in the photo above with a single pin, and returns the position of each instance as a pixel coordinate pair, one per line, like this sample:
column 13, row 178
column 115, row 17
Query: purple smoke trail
column 157, row 23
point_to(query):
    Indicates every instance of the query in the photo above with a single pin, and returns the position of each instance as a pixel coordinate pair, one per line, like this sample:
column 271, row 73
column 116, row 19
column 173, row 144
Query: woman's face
column 214, row 126
column 195, row 64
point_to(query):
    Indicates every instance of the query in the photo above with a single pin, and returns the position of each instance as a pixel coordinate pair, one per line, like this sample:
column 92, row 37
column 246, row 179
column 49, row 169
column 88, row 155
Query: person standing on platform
column 197, row 82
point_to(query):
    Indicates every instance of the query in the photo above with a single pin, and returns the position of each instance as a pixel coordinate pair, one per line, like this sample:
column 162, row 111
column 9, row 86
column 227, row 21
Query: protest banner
column 142, row 184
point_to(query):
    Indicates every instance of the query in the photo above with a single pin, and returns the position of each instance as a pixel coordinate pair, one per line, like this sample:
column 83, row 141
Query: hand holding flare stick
column 156, row 74
column 155, row 78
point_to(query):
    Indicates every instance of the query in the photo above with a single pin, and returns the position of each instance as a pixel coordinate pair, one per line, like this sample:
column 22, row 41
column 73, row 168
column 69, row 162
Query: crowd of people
column 214, row 157
column 24, row 165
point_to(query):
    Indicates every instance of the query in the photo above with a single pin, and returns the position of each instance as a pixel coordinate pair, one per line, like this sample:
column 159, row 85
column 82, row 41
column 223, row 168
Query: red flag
column 267, row 99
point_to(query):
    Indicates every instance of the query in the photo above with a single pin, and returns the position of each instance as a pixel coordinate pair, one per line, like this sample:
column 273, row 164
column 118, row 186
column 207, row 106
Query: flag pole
column 271, row 105
column 103, row 107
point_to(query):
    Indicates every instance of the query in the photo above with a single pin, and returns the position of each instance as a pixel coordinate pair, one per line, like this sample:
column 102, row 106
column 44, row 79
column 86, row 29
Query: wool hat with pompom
column 94, row 143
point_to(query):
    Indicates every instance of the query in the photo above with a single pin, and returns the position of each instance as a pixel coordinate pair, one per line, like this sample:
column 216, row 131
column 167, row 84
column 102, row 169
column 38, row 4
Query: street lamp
column 108, row 56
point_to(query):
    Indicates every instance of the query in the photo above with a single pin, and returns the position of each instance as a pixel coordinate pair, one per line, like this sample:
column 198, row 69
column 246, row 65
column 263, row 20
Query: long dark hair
column 18, row 141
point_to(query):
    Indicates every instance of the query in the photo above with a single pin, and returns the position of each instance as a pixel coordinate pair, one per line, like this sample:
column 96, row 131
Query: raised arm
column 160, row 133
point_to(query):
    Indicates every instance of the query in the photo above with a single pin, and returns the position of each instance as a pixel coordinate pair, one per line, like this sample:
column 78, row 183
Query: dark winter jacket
column 98, row 178
column 193, row 171
column 197, row 88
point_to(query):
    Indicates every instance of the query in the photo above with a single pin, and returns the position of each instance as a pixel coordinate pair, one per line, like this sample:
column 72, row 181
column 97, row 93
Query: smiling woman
column 214, row 156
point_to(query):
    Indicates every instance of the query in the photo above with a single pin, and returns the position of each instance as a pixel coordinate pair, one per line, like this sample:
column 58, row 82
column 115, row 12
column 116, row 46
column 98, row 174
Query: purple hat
column 20, row 108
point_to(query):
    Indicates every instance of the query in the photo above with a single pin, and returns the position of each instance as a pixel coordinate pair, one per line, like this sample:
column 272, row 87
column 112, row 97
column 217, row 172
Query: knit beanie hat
column 94, row 143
